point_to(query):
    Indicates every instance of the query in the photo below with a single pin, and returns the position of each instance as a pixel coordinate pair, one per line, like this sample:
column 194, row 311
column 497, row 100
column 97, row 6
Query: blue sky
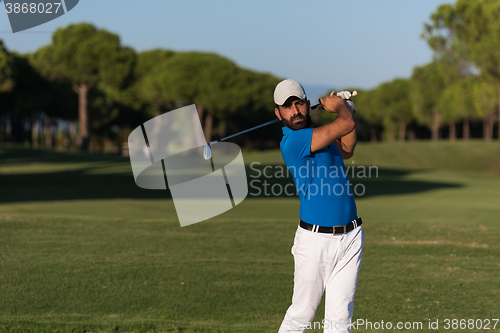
column 359, row 43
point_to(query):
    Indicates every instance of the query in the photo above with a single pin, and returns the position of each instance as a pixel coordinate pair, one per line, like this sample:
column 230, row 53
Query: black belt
column 337, row 230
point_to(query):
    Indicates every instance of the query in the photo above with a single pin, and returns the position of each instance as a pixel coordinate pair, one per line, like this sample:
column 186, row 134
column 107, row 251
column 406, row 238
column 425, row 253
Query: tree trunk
column 102, row 144
column 208, row 126
column 411, row 135
column 92, row 145
column 373, row 134
column 402, row 131
column 73, row 135
column 491, row 126
column 201, row 111
column 35, row 130
column 124, row 132
column 466, row 129
column 391, row 136
column 222, row 126
column 453, row 131
column 3, row 128
column 17, row 127
column 436, row 124
column 83, row 116
column 29, row 121
column 498, row 128
column 487, row 128
column 47, row 132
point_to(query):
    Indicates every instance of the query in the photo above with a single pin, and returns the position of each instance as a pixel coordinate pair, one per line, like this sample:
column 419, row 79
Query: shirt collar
column 287, row 130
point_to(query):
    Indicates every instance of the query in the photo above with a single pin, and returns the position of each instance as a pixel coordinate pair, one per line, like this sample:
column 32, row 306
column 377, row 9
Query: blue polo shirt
column 321, row 180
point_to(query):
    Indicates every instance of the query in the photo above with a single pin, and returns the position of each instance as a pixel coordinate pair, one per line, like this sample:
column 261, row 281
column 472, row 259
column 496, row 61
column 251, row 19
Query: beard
column 305, row 122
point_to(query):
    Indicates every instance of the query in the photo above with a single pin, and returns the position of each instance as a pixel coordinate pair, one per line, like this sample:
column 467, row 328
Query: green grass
column 83, row 249
column 472, row 155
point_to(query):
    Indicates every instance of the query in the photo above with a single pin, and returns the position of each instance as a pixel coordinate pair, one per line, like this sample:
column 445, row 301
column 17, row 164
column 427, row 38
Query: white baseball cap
column 287, row 88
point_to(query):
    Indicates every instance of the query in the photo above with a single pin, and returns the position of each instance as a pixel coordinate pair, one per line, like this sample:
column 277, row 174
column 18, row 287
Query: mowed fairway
column 82, row 249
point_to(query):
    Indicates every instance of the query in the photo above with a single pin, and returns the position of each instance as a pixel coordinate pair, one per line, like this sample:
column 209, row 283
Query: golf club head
column 207, row 152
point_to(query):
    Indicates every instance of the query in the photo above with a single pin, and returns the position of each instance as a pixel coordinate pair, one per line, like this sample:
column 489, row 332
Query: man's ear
column 308, row 104
column 277, row 113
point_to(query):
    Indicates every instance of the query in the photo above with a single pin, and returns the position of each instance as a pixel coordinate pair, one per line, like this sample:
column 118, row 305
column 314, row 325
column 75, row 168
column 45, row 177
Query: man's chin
column 299, row 125
column 295, row 125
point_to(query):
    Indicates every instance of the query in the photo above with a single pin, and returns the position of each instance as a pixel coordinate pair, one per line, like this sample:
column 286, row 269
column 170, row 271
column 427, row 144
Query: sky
column 320, row 43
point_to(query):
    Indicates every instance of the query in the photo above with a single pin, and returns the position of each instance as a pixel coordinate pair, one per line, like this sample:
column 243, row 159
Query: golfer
column 329, row 240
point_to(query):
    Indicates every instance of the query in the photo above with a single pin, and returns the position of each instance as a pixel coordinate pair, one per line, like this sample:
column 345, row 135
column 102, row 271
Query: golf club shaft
column 256, row 127
column 248, row 130
column 259, row 126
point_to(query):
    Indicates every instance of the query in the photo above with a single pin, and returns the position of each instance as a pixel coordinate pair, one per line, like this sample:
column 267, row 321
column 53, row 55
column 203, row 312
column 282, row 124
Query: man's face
column 294, row 113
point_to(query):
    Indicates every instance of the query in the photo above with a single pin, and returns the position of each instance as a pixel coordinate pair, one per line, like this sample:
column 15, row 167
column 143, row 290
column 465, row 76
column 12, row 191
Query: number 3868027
column 32, row 8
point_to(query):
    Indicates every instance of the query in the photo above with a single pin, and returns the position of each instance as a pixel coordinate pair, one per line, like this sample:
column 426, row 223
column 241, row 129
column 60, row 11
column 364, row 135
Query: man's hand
column 337, row 129
column 346, row 95
column 332, row 103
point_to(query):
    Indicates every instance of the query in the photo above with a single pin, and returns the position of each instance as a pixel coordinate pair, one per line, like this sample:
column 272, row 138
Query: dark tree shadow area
column 78, row 184
column 272, row 182
column 85, row 183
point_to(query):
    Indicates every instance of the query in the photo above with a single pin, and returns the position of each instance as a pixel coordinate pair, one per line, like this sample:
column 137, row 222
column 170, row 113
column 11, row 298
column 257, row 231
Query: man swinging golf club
column 329, row 240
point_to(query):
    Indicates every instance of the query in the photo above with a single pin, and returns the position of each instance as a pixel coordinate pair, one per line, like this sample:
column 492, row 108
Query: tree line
column 91, row 89
column 461, row 86
column 85, row 90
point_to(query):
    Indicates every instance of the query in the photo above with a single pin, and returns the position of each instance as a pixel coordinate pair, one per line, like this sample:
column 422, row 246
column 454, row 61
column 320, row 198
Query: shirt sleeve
column 297, row 146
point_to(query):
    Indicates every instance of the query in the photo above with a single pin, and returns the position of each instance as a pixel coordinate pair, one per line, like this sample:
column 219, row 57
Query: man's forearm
column 332, row 132
column 349, row 141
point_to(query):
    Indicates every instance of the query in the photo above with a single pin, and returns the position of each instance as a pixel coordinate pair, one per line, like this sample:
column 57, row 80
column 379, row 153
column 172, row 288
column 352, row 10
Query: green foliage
column 427, row 84
column 457, row 100
column 216, row 85
column 367, row 106
column 253, row 104
column 149, row 61
column 485, row 98
column 443, row 36
column 164, row 78
column 148, row 94
column 29, row 90
column 103, row 109
column 60, row 101
column 87, row 58
column 254, row 91
column 204, row 79
column 388, row 105
column 468, row 32
column 471, row 97
column 394, row 102
column 80, row 53
column 6, row 70
column 478, row 26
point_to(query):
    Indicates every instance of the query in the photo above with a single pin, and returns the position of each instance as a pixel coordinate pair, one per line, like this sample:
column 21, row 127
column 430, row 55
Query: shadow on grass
column 364, row 182
column 82, row 183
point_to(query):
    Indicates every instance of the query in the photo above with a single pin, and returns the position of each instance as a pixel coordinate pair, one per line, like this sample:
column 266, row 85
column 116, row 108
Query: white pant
column 324, row 261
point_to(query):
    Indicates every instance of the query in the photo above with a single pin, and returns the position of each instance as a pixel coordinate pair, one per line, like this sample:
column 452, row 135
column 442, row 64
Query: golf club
column 207, row 152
